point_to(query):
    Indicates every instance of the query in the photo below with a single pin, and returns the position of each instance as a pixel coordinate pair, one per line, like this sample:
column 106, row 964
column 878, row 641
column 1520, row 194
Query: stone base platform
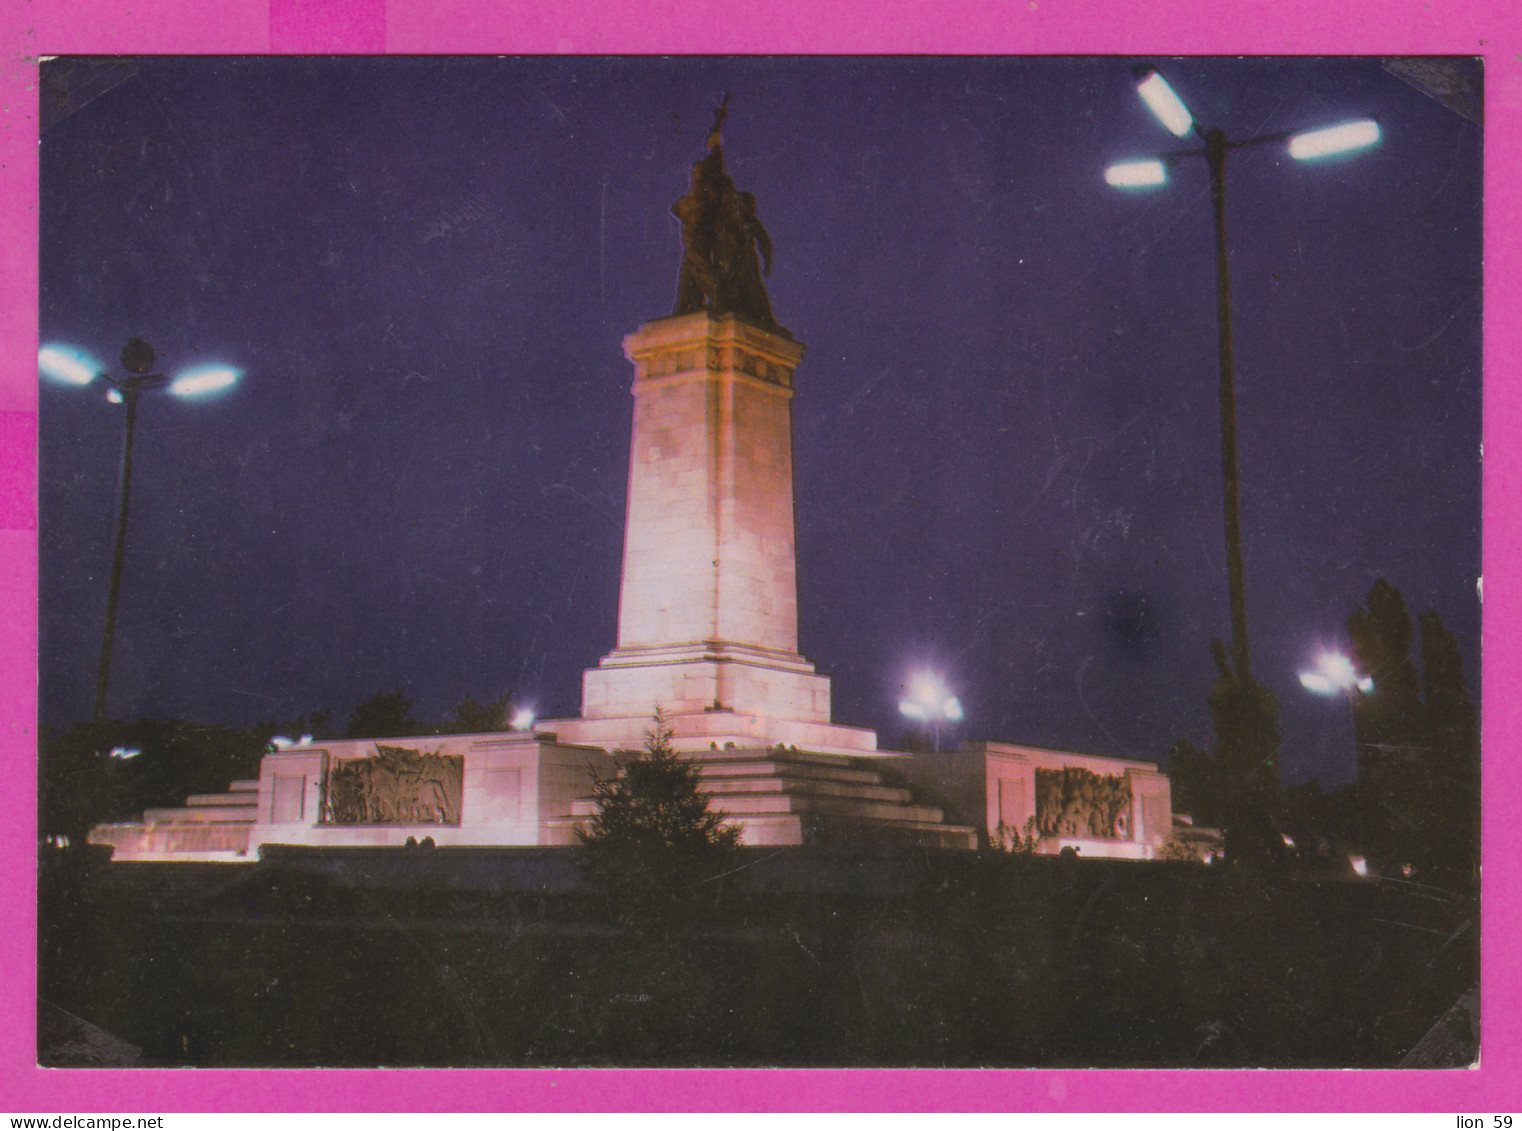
column 211, row 828
column 699, row 731
column 781, row 796
column 686, row 679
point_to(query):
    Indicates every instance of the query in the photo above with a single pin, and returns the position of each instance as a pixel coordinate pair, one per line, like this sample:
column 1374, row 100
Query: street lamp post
column 137, row 359
column 1152, row 172
column 1334, row 674
column 929, row 702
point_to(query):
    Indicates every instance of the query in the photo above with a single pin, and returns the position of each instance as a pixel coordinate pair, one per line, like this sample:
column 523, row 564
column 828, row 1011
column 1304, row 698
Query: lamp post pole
column 930, row 702
column 1152, row 172
column 137, row 359
column 1215, row 155
column 113, row 593
column 71, row 367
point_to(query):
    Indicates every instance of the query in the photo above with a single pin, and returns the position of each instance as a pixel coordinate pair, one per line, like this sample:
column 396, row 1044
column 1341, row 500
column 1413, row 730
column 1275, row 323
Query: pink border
column 1475, row 27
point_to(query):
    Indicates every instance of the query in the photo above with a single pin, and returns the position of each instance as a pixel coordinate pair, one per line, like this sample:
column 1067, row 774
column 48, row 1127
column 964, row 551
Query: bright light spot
column 304, row 740
column 1335, row 673
column 1168, row 107
column 1315, row 681
column 207, row 380
column 122, row 753
column 114, row 396
column 280, row 742
column 1337, row 668
column 1360, row 865
column 1406, row 869
column 523, row 718
column 1289, row 841
column 1137, row 174
column 929, row 700
column 67, row 365
column 1333, row 140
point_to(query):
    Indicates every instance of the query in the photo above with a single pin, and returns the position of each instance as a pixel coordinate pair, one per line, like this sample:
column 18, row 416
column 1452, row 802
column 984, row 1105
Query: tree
column 113, row 770
column 470, row 717
column 387, row 715
column 654, row 836
column 1236, row 786
column 1193, row 778
column 1387, row 726
column 1418, row 742
column 1246, row 718
column 1453, row 735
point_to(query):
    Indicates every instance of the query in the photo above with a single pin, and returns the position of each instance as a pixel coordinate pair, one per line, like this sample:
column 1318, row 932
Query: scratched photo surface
column 1007, row 469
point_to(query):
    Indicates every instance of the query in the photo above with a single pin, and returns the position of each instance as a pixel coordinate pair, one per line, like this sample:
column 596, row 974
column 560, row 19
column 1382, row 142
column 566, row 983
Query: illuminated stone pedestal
column 998, row 787
column 513, row 789
column 708, row 609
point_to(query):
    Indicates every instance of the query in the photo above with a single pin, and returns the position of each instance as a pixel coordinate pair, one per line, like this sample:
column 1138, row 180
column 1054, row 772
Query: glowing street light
column 1171, row 111
column 930, row 702
column 66, row 365
column 1163, row 102
column 1334, row 140
column 1137, row 174
column 280, row 743
column 70, row 366
column 199, row 382
column 1334, row 674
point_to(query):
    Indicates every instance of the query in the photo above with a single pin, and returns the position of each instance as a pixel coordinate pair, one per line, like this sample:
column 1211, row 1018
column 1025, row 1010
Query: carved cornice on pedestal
column 695, row 343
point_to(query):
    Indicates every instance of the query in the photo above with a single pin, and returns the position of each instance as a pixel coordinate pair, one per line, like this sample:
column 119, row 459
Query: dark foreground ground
column 463, row 957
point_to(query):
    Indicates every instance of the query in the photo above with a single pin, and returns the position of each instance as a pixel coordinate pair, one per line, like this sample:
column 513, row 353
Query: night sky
column 1007, row 444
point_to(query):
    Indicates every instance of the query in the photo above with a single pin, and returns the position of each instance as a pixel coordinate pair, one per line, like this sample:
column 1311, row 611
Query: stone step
column 807, row 787
column 201, row 815
column 747, row 768
column 776, row 754
column 741, row 805
column 781, row 829
column 778, row 803
column 244, row 800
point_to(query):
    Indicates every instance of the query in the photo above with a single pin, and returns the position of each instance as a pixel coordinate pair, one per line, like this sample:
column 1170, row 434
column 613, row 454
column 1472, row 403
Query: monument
column 708, row 607
column 707, row 632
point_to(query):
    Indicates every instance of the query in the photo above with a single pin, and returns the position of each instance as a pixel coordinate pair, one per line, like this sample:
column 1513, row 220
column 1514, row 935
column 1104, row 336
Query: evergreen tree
column 654, row 836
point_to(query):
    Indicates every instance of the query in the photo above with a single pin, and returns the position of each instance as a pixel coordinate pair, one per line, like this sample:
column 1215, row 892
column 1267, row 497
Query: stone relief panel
column 396, row 787
column 1076, row 802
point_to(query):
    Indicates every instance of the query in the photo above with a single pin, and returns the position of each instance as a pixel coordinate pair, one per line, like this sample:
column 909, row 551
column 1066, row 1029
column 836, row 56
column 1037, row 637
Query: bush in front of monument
column 654, row 842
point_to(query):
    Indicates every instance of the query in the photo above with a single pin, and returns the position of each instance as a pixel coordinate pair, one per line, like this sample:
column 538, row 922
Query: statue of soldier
column 721, row 268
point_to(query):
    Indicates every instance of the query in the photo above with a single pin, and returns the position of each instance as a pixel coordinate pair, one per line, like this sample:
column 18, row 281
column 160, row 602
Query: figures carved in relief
column 397, row 787
column 1076, row 802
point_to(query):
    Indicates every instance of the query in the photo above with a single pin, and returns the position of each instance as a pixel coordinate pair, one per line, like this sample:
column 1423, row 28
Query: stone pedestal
column 708, row 610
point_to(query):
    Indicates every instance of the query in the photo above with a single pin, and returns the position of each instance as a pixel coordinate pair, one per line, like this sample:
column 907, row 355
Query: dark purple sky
column 1007, row 429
